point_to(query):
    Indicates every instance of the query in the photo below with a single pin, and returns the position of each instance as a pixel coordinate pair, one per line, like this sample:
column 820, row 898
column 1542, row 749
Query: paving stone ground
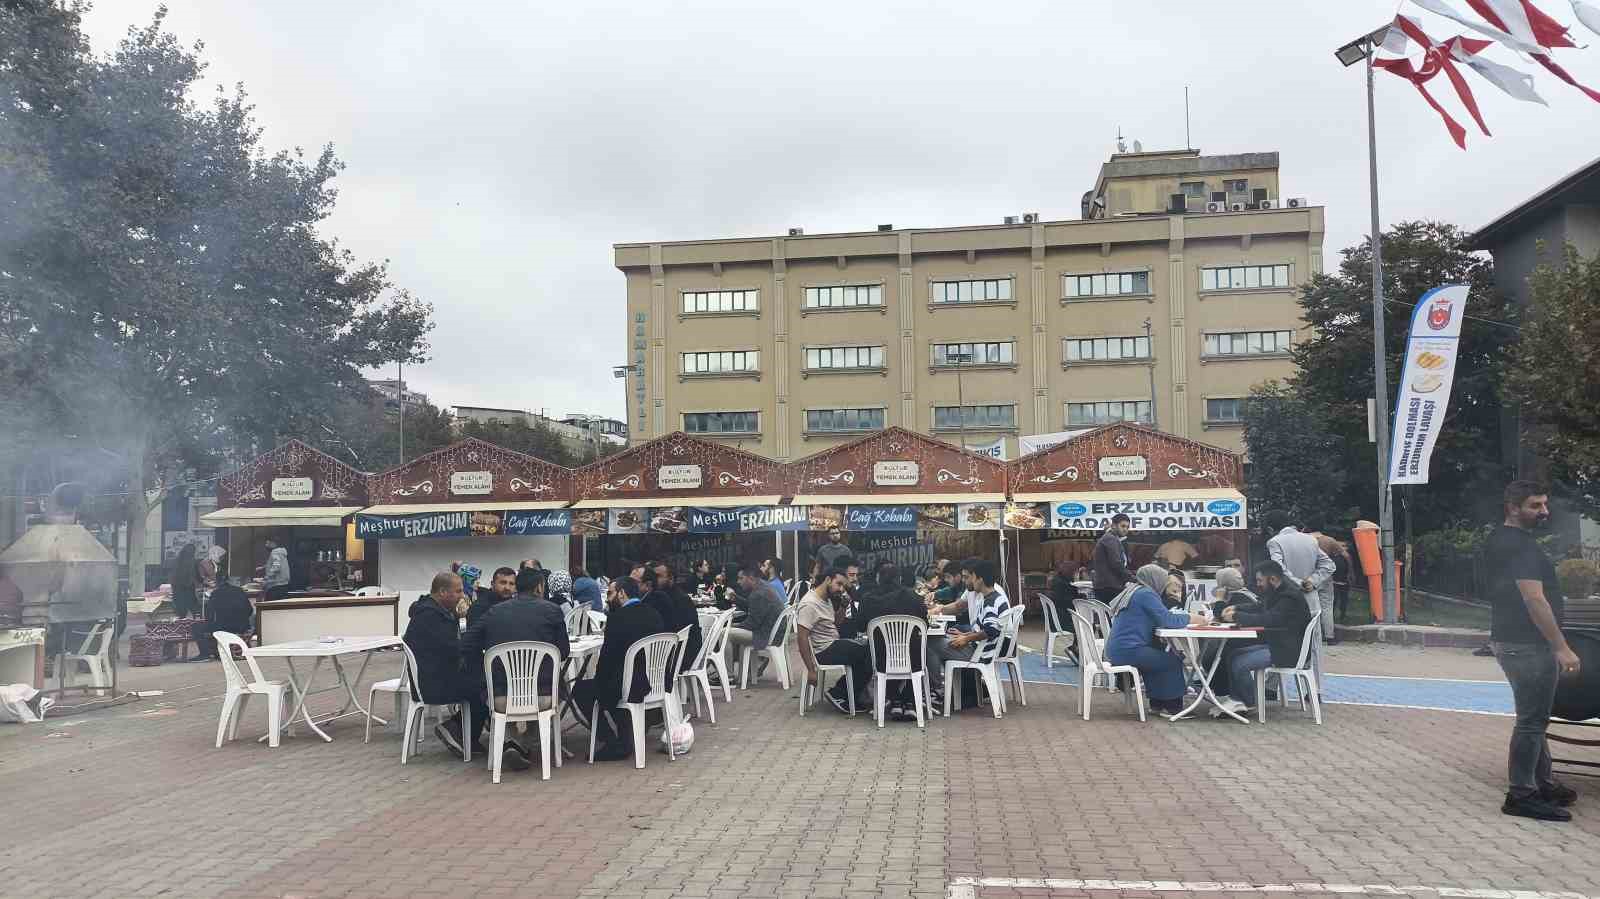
column 135, row 801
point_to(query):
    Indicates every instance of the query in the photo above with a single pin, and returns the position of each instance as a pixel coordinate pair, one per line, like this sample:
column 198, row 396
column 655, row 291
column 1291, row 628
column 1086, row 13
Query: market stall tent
column 471, row 502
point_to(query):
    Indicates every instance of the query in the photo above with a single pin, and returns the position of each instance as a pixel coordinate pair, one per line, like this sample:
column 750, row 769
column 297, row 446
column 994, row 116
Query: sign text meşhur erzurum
column 1155, row 514
column 428, row 524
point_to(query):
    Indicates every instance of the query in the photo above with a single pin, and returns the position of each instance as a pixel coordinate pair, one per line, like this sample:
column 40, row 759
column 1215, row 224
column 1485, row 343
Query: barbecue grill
column 1578, row 698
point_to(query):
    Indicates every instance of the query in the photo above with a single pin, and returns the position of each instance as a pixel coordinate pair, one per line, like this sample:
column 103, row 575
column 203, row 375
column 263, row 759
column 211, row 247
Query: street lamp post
column 622, row 371
column 1363, row 49
column 959, row 359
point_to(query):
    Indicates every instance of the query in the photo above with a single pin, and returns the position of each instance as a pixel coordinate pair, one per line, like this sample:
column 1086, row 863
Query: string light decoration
column 333, row 482
column 512, row 476
column 1171, row 462
column 636, row 472
column 850, row 468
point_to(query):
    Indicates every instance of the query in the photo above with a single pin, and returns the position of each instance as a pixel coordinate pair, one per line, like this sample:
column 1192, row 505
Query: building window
column 953, row 418
column 1247, row 343
column 1106, row 349
column 1244, row 277
column 990, row 290
column 844, row 297
column 719, row 422
column 1194, row 190
column 1112, row 284
column 825, row 421
column 1108, row 412
column 1229, row 410
column 843, row 357
column 722, row 362
column 719, row 301
column 994, row 353
column 1238, row 186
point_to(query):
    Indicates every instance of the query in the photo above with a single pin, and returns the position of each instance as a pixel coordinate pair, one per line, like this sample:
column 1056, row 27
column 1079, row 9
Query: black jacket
column 677, row 612
column 508, row 622
column 1283, row 614
column 1110, row 563
column 229, row 610
column 481, row 604
column 893, row 601
column 432, row 636
column 624, row 626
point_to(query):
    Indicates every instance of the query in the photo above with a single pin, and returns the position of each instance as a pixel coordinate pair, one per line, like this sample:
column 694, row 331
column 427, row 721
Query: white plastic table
column 1188, row 639
column 939, row 625
column 326, row 648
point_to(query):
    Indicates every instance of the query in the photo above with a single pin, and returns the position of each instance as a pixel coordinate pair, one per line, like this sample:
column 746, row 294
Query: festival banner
column 747, row 518
column 407, row 527
column 994, row 449
column 544, row 522
column 1155, row 513
column 880, row 518
column 1425, row 382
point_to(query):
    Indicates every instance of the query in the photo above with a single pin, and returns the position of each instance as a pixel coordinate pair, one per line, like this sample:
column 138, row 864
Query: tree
column 164, row 290
column 1294, row 456
column 1556, row 368
column 1334, row 370
column 363, row 433
column 538, row 440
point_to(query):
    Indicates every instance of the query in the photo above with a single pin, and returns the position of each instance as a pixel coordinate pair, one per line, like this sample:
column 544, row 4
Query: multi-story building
column 391, row 388
column 599, row 425
column 579, row 439
column 1162, row 305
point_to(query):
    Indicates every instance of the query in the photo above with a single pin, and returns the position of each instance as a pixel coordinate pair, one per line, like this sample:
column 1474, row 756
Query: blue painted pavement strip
column 1486, row 697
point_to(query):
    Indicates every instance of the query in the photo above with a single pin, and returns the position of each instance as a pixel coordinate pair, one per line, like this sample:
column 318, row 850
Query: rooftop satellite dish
column 1122, row 146
column 1138, row 147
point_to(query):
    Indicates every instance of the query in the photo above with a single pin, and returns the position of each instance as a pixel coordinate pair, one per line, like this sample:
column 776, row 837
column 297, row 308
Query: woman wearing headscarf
column 1133, row 640
column 185, row 602
column 558, row 589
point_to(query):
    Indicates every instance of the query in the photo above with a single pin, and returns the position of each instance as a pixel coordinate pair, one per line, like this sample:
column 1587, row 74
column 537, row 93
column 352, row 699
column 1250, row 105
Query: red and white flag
column 1515, row 83
column 1521, row 26
column 1436, row 58
column 1588, row 14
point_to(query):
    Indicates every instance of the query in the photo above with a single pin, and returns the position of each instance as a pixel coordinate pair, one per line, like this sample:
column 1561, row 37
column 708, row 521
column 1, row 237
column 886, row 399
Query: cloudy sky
column 496, row 151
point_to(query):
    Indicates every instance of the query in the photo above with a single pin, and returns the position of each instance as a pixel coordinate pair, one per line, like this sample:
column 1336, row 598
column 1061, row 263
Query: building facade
column 1165, row 315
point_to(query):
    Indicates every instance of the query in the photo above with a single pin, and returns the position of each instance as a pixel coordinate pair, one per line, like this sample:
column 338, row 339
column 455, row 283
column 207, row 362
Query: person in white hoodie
column 277, row 568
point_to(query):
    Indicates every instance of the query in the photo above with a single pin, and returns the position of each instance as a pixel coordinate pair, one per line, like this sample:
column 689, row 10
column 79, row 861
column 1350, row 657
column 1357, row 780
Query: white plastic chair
column 523, row 661
column 1095, row 666
column 658, row 652
column 240, row 690
column 810, row 694
column 899, row 633
column 1098, row 614
column 370, row 591
column 1055, row 630
column 983, row 662
column 578, row 621
column 777, row 651
column 95, row 655
column 597, row 622
column 415, row 711
column 1301, row 673
column 1006, row 660
column 695, row 678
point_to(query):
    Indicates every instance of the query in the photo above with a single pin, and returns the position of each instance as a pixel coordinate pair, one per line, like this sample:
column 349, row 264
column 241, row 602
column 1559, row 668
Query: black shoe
column 519, row 748
column 1558, row 794
column 1535, row 808
column 839, row 702
column 1331, row 641
column 449, row 733
column 761, row 667
column 896, row 712
column 1484, row 651
column 613, row 752
column 1272, row 695
column 511, row 757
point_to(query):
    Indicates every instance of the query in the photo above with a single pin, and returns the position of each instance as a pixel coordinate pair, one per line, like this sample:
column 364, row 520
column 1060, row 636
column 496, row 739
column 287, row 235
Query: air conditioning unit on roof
column 1295, row 203
column 1216, row 206
column 1236, row 206
column 1267, row 204
column 1030, row 217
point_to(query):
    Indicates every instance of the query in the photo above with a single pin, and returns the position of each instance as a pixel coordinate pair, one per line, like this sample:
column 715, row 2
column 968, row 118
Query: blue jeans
column 1242, row 668
column 1531, row 669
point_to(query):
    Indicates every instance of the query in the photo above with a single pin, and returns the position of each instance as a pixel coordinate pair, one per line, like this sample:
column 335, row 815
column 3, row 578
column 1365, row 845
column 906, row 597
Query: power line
column 1487, row 321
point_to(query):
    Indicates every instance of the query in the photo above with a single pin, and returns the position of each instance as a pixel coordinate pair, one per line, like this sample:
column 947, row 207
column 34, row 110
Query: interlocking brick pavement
column 134, row 801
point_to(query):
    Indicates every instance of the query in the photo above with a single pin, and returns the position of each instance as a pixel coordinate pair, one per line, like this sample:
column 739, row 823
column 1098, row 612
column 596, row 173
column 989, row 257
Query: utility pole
column 1361, row 49
column 400, row 390
column 1150, row 346
column 959, row 359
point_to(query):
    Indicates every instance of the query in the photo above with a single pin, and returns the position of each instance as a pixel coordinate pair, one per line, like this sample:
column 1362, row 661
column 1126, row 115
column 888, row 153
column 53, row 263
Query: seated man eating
column 526, row 616
column 986, row 602
column 1282, row 613
column 628, row 620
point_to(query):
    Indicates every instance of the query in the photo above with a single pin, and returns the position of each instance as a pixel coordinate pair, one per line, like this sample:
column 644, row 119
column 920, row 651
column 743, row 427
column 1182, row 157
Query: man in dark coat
column 628, row 620
column 502, row 586
column 432, row 635
column 229, row 610
column 890, row 597
column 526, row 616
column 676, row 610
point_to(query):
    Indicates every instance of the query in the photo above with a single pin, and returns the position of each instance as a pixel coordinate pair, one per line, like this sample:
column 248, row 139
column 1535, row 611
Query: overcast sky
column 495, row 154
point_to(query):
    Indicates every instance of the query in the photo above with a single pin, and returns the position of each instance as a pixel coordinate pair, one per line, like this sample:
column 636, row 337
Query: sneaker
column 511, row 757
column 1535, row 808
column 761, row 666
column 897, row 712
column 1559, row 795
column 1231, row 705
column 449, row 733
column 839, row 702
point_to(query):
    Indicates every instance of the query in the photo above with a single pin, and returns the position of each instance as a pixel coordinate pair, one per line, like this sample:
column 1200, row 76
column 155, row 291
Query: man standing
column 434, row 639
column 1525, row 631
column 835, row 553
column 1305, row 564
column 276, row 573
column 1111, row 572
column 762, row 605
column 817, row 629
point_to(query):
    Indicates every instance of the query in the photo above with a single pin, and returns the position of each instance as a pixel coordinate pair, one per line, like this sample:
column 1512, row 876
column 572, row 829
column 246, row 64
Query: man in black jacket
column 890, row 598
column 526, row 616
column 502, row 586
column 228, row 610
column 1111, row 572
column 432, row 635
column 628, row 620
column 676, row 610
column 1282, row 614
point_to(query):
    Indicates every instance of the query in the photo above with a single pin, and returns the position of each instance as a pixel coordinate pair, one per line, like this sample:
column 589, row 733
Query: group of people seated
column 1278, row 607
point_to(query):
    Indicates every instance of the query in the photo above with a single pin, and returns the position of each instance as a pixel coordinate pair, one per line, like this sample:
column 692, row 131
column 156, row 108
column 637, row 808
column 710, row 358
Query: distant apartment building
column 1171, row 297
column 390, row 390
column 579, row 439
column 607, row 428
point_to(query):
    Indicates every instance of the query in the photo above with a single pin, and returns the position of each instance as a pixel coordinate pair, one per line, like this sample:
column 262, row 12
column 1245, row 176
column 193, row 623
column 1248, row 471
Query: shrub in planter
column 1579, row 577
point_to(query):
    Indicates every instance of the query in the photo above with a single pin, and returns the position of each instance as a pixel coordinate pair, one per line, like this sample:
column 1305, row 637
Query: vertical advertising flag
column 1425, row 382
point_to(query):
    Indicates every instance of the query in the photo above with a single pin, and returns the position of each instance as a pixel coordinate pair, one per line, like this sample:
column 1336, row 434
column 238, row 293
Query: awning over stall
column 279, row 516
column 894, row 499
column 501, row 506
column 1216, row 509
column 693, row 502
